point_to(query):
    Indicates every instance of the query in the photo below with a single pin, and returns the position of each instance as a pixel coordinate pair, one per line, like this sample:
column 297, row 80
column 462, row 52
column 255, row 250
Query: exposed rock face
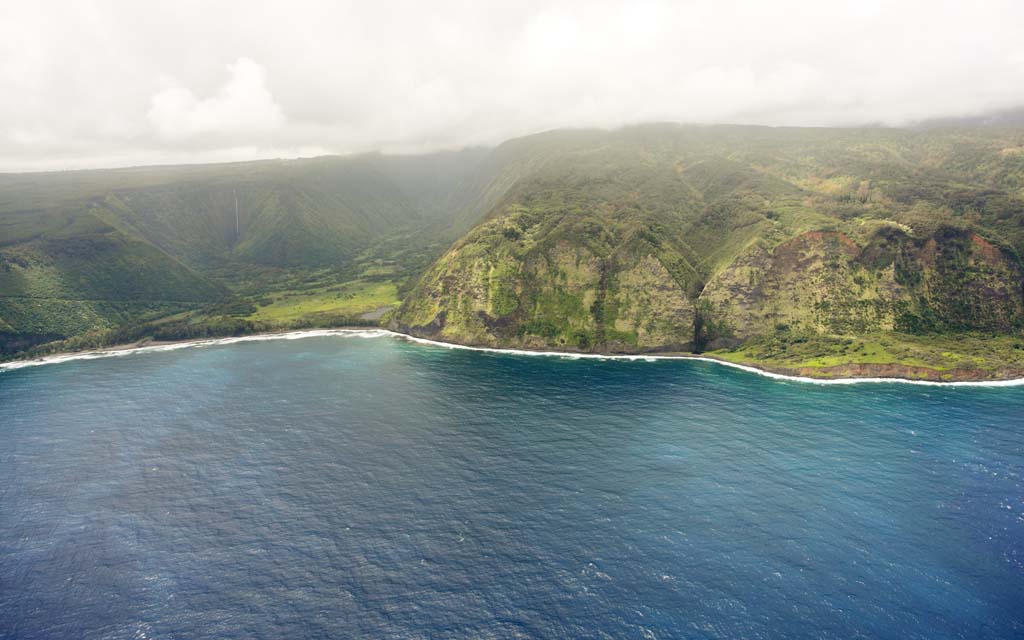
column 679, row 240
column 790, row 244
column 649, row 309
column 564, row 296
column 567, row 295
column 825, row 283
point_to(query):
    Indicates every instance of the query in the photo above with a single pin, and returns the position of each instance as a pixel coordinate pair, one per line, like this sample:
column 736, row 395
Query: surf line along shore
column 125, row 350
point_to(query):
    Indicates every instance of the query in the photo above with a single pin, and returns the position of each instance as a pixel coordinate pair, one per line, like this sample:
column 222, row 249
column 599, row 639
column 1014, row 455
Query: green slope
column 807, row 248
column 89, row 276
column 94, row 251
column 670, row 238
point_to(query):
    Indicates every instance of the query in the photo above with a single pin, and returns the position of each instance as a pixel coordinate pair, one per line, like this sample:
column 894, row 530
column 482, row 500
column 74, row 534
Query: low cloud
column 243, row 105
column 118, row 81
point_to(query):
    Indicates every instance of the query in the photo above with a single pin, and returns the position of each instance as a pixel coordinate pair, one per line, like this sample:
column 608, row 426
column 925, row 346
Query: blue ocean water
column 345, row 487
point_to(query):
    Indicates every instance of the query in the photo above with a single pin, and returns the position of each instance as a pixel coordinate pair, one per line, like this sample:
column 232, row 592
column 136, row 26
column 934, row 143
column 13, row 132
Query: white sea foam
column 769, row 374
column 185, row 344
column 382, row 333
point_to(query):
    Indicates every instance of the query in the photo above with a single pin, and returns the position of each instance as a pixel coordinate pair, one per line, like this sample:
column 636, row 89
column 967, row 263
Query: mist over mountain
column 814, row 185
column 535, row 319
column 785, row 243
column 101, row 84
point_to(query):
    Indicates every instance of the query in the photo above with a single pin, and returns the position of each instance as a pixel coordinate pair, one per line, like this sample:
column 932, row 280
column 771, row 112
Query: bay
column 346, row 487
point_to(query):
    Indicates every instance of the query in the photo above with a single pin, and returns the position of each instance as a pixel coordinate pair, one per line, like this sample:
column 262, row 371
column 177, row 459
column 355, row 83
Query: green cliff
column 817, row 251
column 682, row 239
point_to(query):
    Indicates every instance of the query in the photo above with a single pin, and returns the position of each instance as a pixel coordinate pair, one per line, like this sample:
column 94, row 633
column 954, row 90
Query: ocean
column 358, row 485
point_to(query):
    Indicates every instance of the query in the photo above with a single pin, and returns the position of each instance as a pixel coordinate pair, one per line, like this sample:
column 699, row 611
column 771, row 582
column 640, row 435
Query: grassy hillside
column 809, row 249
column 95, row 253
column 669, row 238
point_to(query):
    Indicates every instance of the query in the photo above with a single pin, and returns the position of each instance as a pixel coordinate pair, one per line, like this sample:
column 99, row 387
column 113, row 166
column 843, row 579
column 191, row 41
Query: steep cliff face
column 679, row 242
column 824, row 282
column 649, row 238
column 569, row 295
column 506, row 288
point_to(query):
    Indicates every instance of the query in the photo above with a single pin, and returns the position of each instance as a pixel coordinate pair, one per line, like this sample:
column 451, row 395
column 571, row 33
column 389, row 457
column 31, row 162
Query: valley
column 830, row 252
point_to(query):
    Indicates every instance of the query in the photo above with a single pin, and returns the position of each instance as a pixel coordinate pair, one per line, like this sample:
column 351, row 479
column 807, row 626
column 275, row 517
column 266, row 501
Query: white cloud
column 242, row 106
column 102, row 82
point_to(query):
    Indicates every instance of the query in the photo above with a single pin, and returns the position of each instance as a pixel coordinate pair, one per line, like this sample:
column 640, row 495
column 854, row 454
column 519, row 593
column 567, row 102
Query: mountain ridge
column 770, row 242
column 659, row 239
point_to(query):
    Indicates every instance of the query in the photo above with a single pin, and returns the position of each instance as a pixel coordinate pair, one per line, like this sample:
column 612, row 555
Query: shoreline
column 377, row 332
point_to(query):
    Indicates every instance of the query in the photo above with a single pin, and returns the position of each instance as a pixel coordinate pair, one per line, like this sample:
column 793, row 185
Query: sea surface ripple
column 328, row 488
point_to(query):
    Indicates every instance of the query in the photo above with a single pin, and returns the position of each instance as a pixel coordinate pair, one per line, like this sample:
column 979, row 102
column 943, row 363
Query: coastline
column 376, row 332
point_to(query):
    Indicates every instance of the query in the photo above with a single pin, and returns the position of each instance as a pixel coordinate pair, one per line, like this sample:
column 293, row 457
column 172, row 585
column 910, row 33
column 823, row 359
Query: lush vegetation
column 100, row 257
column 732, row 239
column 347, row 300
column 932, row 356
column 804, row 249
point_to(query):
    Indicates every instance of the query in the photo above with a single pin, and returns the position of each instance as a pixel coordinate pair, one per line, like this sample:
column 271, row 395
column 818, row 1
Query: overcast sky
column 89, row 84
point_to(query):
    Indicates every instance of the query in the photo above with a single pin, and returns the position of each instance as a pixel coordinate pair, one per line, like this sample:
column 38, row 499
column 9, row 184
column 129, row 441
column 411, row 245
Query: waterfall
column 237, row 235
